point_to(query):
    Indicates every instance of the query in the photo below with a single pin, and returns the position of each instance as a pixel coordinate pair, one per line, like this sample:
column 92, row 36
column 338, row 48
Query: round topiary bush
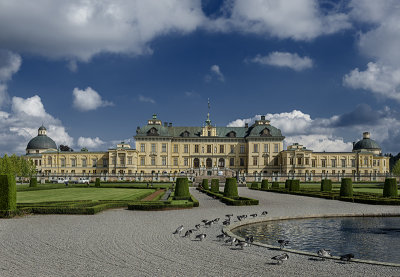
column 275, row 185
column 294, row 185
column 326, row 185
column 346, row 188
column 33, row 182
column 204, row 184
column 182, row 188
column 264, row 184
column 231, row 189
column 8, row 193
column 287, row 183
column 255, row 185
column 215, row 185
column 97, row 183
column 390, row 188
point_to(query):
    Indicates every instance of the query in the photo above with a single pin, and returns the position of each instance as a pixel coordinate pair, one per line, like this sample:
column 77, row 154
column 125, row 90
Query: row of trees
column 17, row 166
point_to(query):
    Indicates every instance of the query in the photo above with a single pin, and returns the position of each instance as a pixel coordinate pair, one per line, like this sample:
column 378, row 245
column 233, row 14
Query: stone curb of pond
column 228, row 231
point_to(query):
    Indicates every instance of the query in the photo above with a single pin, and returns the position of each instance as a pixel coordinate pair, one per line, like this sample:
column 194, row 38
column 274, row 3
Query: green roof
column 366, row 143
column 41, row 142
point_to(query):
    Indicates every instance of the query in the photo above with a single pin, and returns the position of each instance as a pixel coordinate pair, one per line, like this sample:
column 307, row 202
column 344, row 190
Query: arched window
column 208, row 163
column 221, row 162
column 196, row 163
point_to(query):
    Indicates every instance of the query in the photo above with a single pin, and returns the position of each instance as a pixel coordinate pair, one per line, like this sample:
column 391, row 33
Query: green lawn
column 69, row 194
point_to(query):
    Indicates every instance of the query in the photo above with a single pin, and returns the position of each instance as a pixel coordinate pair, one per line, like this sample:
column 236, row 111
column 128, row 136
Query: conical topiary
column 390, row 188
column 33, row 182
column 182, row 188
column 204, row 184
column 346, row 188
column 215, row 185
column 231, row 189
column 326, row 185
column 264, row 184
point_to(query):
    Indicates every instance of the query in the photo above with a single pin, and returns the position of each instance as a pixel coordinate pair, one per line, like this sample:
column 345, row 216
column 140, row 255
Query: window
column 353, row 163
column 175, row 148
column 49, row 161
column 366, row 161
column 378, row 162
column 255, row 149
column 114, row 160
column 215, row 149
column 333, row 162
column 221, row 149
column 291, row 161
column 175, row 161
column 153, row 147
column 276, row 161
column 265, row 160
column 232, row 149
column 232, row 162
column 129, row 160
column 343, row 163
column 62, row 162
column 142, row 161
column 73, row 162
column 241, row 161
column 299, row 160
column 255, row 160
column 242, row 149
column 276, row 148
column 196, row 148
column 323, row 163
column 307, row 161
column 185, row 148
column 36, row 162
column 374, row 162
column 94, row 162
column 266, row 148
column 164, row 147
column 164, row 160
column 186, row 161
column 105, row 163
column 83, row 162
column 122, row 161
column 209, row 133
column 153, row 161
column 142, row 147
column 314, row 163
column 208, row 148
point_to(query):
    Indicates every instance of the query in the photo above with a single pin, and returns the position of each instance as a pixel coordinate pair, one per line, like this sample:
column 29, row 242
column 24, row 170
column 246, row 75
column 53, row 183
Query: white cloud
column 215, row 72
column 85, row 28
column 146, row 99
column 298, row 20
column 72, row 66
column 9, row 65
column 90, row 142
column 22, row 123
column 88, row 99
column 284, row 59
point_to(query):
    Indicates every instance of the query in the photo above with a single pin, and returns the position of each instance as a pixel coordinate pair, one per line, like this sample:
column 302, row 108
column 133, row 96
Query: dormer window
column 152, row 132
column 265, row 132
column 185, row 134
column 232, row 134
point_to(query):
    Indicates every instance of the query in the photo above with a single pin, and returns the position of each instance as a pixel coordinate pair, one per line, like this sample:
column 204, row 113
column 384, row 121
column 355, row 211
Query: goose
column 264, row 213
column 187, row 234
column 201, row 237
column 241, row 244
column 226, row 222
column 178, row 230
column 324, row 253
column 281, row 258
column 221, row 236
column 231, row 240
column 253, row 215
column 347, row 257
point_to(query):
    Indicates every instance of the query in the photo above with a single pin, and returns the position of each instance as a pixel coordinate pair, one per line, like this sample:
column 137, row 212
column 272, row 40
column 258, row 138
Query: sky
column 323, row 72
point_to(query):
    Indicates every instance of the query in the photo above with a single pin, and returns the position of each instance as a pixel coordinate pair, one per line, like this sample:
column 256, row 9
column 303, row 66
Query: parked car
column 60, row 180
column 83, row 180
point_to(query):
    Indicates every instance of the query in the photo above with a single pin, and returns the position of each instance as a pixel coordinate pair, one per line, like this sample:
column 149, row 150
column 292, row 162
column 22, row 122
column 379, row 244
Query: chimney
column 165, row 124
column 170, row 124
column 366, row 135
column 263, row 117
column 246, row 125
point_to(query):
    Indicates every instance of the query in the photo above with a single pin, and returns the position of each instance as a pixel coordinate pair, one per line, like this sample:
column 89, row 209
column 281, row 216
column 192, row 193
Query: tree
column 65, row 148
column 396, row 168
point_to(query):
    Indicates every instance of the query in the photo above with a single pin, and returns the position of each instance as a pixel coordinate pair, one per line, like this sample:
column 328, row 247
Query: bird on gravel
column 226, row 222
column 201, row 237
column 264, row 213
column 324, row 253
column 208, row 223
column 253, row 215
column 178, row 230
column 187, row 234
column 197, row 226
column 347, row 257
column 249, row 239
column 281, row 258
column 216, row 220
column 231, row 240
column 221, row 236
column 205, row 220
column 241, row 244
column 283, row 243
column 229, row 216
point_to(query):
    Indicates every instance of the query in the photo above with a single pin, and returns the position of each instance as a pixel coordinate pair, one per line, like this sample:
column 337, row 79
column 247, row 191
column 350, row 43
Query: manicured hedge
column 287, row 183
column 255, row 185
column 294, row 185
column 390, row 188
column 238, row 201
column 33, row 182
column 182, row 188
column 215, row 185
column 275, row 185
column 231, row 190
column 326, row 185
column 264, row 184
column 8, row 193
column 97, row 183
column 346, row 189
column 204, row 184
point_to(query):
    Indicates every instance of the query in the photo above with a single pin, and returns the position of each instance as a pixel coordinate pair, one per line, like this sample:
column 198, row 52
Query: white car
column 83, row 180
column 60, row 180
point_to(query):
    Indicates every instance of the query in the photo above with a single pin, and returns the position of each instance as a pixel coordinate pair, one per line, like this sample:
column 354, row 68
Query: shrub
column 8, row 193
column 264, row 184
column 275, row 185
column 182, row 188
column 287, row 183
column 215, row 185
column 255, row 185
column 390, row 188
column 231, row 189
column 33, row 182
column 326, row 185
column 204, row 184
column 97, row 183
column 294, row 185
column 346, row 188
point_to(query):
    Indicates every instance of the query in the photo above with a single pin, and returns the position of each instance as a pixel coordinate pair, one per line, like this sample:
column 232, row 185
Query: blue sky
column 92, row 71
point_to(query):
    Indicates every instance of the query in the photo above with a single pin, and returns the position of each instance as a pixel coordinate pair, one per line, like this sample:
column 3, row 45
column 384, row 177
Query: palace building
column 162, row 148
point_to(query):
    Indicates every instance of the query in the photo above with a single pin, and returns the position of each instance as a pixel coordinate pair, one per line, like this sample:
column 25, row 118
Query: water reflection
column 370, row 238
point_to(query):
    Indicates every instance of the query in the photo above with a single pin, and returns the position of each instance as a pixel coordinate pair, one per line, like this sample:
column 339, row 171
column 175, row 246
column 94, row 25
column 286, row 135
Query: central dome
column 41, row 141
column 366, row 144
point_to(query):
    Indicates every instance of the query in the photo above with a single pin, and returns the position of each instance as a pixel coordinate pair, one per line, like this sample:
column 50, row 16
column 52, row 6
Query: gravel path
column 140, row 243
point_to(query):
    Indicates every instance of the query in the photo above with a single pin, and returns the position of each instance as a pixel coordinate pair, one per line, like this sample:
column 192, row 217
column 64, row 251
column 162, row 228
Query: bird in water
column 178, row 230
column 281, row 258
column 347, row 257
column 201, row 237
column 249, row 239
column 324, row 253
column 283, row 243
